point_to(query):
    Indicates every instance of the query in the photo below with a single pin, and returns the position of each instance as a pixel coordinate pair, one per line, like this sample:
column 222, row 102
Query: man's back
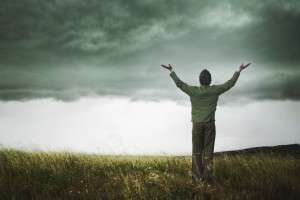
column 204, row 102
column 204, row 99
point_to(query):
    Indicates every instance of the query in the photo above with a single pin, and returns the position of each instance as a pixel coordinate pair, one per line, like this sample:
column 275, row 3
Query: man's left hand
column 169, row 67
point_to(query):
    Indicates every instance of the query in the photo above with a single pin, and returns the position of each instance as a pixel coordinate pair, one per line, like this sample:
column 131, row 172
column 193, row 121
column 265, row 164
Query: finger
column 164, row 66
column 247, row 64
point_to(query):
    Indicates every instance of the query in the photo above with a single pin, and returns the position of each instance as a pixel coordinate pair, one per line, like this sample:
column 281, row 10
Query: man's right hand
column 242, row 67
column 169, row 67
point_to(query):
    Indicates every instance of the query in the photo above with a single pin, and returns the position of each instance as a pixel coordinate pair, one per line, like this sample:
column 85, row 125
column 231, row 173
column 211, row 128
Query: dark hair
column 205, row 77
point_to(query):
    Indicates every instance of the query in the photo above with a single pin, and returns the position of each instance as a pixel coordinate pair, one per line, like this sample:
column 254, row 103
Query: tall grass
column 65, row 175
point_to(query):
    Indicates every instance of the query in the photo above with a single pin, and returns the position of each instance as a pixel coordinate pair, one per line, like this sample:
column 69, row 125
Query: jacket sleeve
column 181, row 85
column 228, row 84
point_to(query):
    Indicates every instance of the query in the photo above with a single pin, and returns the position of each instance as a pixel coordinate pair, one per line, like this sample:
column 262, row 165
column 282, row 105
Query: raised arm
column 179, row 83
column 231, row 82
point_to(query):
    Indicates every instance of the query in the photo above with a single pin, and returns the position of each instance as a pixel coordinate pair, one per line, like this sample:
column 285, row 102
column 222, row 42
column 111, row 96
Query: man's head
column 205, row 77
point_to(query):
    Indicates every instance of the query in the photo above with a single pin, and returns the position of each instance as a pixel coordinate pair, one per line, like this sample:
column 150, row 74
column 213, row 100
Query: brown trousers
column 203, row 140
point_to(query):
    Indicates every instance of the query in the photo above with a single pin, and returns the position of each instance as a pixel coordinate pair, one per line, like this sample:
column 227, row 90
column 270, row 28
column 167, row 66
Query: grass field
column 64, row 175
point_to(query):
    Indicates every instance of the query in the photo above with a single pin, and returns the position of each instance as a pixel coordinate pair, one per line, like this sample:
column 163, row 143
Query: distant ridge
column 290, row 149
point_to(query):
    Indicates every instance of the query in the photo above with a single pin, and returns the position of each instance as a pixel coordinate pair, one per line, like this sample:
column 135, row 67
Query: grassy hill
column 65, row 175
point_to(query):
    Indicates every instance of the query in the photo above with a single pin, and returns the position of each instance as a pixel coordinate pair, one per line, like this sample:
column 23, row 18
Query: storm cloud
column 66, row 49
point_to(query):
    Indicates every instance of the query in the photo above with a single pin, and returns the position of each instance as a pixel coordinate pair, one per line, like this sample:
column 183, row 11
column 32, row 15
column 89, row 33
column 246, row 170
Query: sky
column 86, row 76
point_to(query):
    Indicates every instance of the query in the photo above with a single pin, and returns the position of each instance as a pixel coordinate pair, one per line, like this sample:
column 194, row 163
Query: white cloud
column 118, row 125
column 224, row 16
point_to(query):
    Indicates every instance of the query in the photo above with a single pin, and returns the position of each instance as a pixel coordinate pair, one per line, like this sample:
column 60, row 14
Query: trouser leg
column 208, row 153
column 197, row 152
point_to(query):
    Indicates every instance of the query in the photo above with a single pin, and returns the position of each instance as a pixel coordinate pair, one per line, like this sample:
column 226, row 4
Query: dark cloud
column 278, row 86
column 274, row 36
column 66, row 49
column 88, row 26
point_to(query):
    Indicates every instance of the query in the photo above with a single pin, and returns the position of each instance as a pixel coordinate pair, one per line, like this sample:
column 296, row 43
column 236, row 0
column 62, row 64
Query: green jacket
column 204, row 98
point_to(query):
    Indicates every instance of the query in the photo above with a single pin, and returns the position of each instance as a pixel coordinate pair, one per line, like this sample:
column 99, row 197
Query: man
column 204, row 102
